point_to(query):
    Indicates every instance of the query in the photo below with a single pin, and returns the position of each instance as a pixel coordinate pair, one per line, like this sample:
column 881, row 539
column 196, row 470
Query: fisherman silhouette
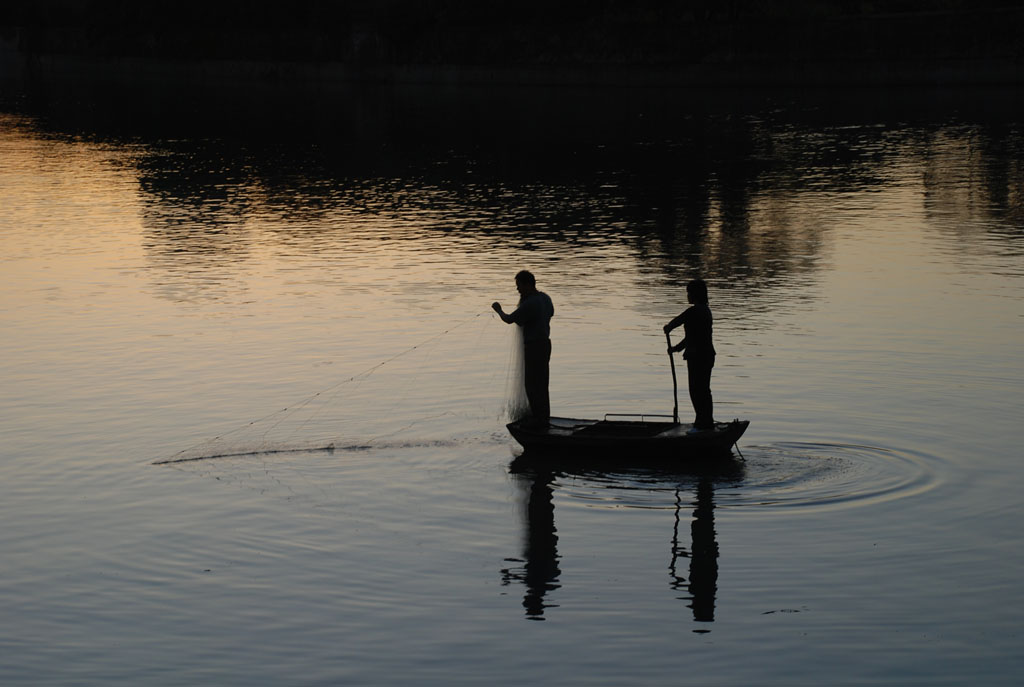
column 533, row 315
column 698, row 351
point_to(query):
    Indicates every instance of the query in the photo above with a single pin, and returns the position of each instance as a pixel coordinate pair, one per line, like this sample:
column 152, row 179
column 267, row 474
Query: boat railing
column 643, row 416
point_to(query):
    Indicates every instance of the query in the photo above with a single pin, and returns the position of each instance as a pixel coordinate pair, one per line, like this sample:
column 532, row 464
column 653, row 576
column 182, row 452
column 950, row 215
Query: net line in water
column 353, row 414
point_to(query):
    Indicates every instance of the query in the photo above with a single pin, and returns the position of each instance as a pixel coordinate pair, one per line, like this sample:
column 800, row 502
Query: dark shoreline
column 336, row 75
column 320, row 45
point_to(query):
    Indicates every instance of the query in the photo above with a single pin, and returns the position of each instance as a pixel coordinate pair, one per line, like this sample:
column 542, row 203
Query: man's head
column 697, row 291
column 525, row 283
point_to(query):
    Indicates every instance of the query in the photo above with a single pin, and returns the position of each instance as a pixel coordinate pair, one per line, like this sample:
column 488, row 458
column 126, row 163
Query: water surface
column 174, row 272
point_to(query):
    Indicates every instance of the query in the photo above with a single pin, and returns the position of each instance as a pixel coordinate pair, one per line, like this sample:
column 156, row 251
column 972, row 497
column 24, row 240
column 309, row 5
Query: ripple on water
column 831, row 476
column 808, row 476
column 793, row 475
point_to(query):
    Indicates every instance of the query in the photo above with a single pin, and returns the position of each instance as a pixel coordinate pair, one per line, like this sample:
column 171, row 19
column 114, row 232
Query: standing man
column 534, row 316
column 698, row 351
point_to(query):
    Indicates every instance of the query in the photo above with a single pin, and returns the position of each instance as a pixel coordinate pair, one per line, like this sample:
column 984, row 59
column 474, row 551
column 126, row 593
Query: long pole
column 675, row 386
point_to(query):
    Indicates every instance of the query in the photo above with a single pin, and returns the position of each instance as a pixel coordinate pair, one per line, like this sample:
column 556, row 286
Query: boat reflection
column 539, row 567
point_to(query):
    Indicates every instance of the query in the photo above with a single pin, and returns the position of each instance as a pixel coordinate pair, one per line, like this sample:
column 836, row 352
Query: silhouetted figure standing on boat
column 534, row 317
column 698, row 351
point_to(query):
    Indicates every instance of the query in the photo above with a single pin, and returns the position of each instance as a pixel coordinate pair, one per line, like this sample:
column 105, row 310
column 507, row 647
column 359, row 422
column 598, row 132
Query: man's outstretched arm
column 505, row 317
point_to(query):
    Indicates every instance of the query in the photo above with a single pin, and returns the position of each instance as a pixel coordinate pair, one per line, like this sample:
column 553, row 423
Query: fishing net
column 443, row 391
column 516, row 405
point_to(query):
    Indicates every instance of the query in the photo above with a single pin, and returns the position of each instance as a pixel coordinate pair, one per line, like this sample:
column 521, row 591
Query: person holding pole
column 698, row 351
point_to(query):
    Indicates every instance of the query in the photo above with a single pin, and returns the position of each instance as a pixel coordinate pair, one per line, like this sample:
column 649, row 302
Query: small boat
column 630, row 439
column 641, row 438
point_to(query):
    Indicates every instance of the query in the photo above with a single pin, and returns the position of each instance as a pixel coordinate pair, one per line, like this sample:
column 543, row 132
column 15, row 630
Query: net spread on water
column 426, row 395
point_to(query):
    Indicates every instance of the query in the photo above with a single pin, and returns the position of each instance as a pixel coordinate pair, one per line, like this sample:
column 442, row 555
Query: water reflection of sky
column 767, row 202
column 751, row 203
column 649, row 188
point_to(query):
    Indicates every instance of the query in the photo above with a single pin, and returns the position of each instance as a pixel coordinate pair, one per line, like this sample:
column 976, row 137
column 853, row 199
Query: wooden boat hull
column 627, row 438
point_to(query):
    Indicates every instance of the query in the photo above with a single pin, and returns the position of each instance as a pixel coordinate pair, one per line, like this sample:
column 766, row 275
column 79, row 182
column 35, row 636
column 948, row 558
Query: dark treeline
column 521, row 32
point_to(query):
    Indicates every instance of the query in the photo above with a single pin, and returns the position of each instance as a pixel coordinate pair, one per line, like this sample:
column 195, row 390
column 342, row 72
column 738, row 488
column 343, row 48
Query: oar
column 675, row 386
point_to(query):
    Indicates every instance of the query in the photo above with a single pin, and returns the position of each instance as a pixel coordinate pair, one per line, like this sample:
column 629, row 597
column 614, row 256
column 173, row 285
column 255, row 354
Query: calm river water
column 283, row 277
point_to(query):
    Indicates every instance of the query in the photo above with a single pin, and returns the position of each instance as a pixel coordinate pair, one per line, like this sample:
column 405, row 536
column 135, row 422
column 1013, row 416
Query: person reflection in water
column 698, row 351
column 702, row 585
column 539, row 572
column 533, row 315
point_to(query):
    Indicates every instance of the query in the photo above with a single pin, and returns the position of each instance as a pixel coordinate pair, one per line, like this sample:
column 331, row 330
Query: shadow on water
column 693, row 566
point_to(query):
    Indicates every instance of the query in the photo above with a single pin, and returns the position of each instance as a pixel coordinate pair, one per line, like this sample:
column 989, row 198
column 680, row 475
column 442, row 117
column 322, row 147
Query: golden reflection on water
column 802, row 232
